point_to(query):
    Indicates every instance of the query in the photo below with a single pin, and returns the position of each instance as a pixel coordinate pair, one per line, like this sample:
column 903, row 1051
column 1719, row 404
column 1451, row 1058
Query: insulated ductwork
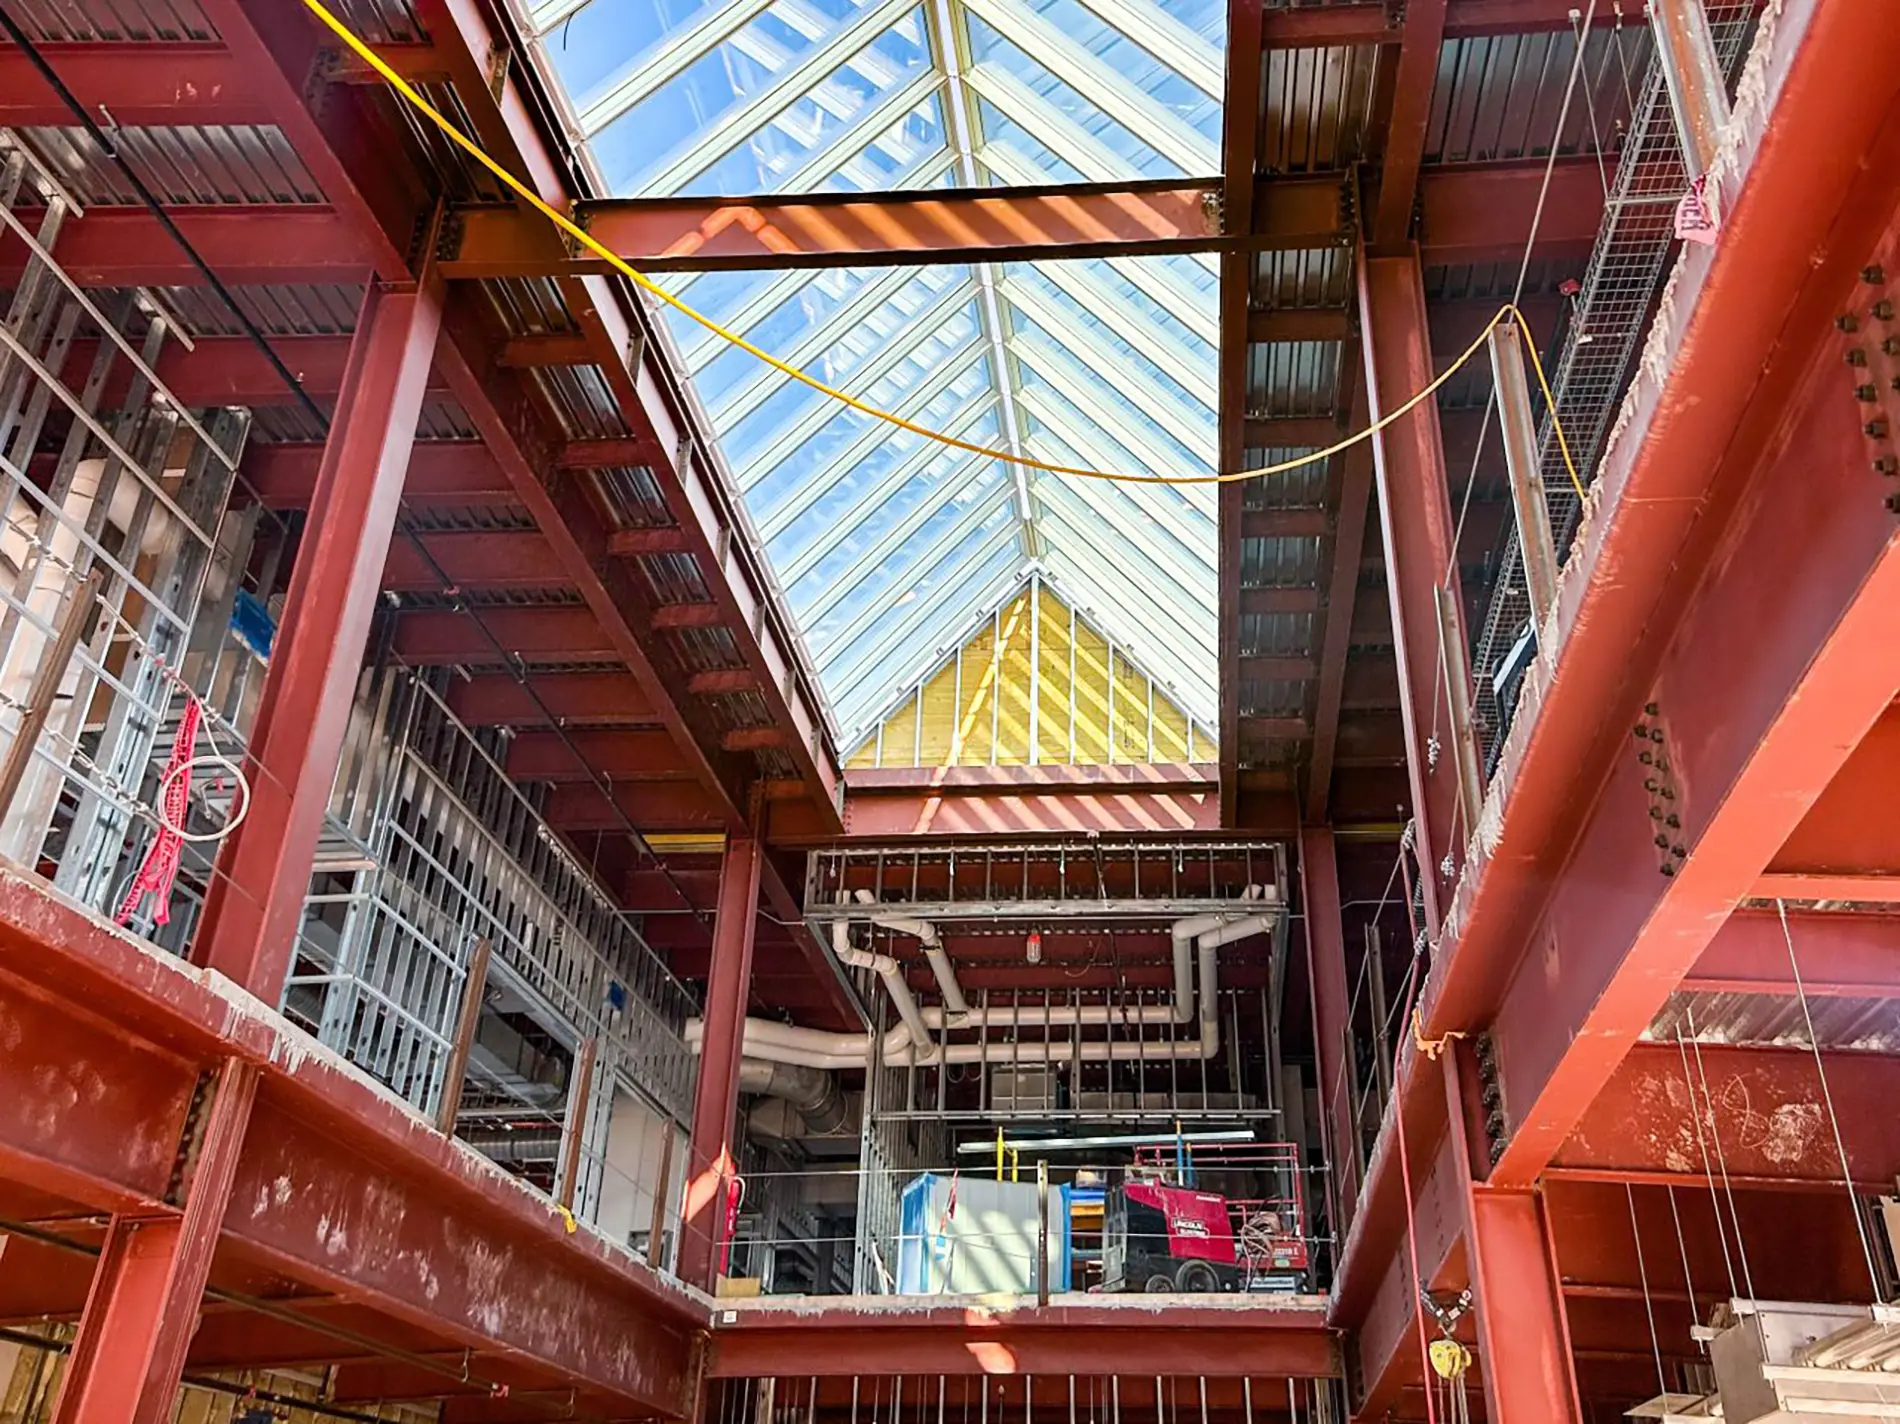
column 813, row 1092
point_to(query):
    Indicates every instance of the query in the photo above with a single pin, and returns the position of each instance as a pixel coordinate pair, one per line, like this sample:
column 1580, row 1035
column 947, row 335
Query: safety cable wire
column 1419, row 1283
column 1827, row 1097
column 1649, row 1306
column 1682, row 1245
column 580, row 235
column 1708, row 1167
column 1721, row 1157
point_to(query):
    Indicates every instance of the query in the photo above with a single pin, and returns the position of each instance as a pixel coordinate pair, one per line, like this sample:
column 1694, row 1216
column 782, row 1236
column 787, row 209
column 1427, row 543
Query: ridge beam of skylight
column 947, row 43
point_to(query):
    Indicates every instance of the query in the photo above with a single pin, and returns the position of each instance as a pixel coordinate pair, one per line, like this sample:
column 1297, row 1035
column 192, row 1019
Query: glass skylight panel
column 890, row 547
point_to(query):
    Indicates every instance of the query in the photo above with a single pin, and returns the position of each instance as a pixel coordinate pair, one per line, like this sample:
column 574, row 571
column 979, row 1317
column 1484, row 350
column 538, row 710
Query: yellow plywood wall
column 1092, row 705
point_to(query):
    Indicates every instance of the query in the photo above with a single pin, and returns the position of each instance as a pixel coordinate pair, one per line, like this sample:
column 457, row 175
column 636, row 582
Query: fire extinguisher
column 735, row 1195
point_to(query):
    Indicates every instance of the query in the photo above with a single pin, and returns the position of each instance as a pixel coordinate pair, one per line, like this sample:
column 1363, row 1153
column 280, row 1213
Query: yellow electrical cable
column 579, row 234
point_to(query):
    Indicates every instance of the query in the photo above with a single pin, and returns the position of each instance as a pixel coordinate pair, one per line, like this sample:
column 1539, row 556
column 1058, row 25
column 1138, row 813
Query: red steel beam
column 126, row 247
column 710, row 1166
column 1761, row 1113
column 854, row 229
column 1414, row 506
column 1483, row 212
column 1839, row 955
column 1722, row 387
column 1416, row 77
column 144, row 84
column 1792, row 700
column 655, row 806
column 442, row 474
column 1260, row 1336
column 1342, row 593
column 229, row 370
column 1332, row 1028
column 1329, row 26
column 253, row 907
column 511, row 559
column 338, row 1189
column 503, row 411
column 616, row 755
column 129, row 1351
column 1040, row 800
column 1517, row 1288
column 580, row 698
column 429, row 637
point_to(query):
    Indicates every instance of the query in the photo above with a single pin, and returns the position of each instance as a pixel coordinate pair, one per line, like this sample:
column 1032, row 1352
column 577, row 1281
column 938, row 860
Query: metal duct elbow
column 813, row 1092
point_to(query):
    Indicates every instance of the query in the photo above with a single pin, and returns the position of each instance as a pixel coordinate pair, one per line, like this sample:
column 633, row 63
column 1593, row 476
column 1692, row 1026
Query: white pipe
column 815, row 1048
column 926, row 934
column 916, row 1032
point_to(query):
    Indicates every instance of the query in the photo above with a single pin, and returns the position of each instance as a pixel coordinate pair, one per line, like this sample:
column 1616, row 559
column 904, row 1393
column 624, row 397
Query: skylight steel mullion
column 1079, row 282
column 1165, row 407
column 748, row 394
column 714, row 142
column 1048, row 124
column 911, row 407
column 1168, row 40
column 1085, row 396
column 1154, row 276
column 925, row 326
column 1176, row 586
column 950, row 44
column 1133, row 618
column 826, row 94
column 673, row 56
column 892, row 540
column 900, row 475
column 922, row 563
column 1056, row 53
column 1077, row 586
column 980, row 612
column 902, row 629
column 1004, row 586
column 806, row 180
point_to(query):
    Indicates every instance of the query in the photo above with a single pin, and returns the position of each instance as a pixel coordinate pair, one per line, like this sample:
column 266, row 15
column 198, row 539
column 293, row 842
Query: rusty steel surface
column 338, row 1188
column 1284, row 1336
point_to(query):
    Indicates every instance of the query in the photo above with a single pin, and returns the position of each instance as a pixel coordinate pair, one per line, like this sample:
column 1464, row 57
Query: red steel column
column 1523, row 1337
column 146, row 1290
column 1326, row 972
column 1416, row 526
column 709, row 1163
column 253, row 908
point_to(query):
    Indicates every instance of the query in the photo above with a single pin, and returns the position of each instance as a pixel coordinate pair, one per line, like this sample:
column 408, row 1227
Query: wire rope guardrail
column 1609, row 317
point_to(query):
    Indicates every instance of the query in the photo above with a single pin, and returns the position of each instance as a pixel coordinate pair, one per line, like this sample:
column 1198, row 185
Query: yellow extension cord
column 580, row 235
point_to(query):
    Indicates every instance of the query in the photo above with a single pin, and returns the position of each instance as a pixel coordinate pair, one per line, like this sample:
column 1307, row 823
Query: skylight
column 888, row 546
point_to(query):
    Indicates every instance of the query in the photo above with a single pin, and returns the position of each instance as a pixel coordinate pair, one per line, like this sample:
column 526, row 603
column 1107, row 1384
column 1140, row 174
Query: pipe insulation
column 790, row 1044
column 813, row 1093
